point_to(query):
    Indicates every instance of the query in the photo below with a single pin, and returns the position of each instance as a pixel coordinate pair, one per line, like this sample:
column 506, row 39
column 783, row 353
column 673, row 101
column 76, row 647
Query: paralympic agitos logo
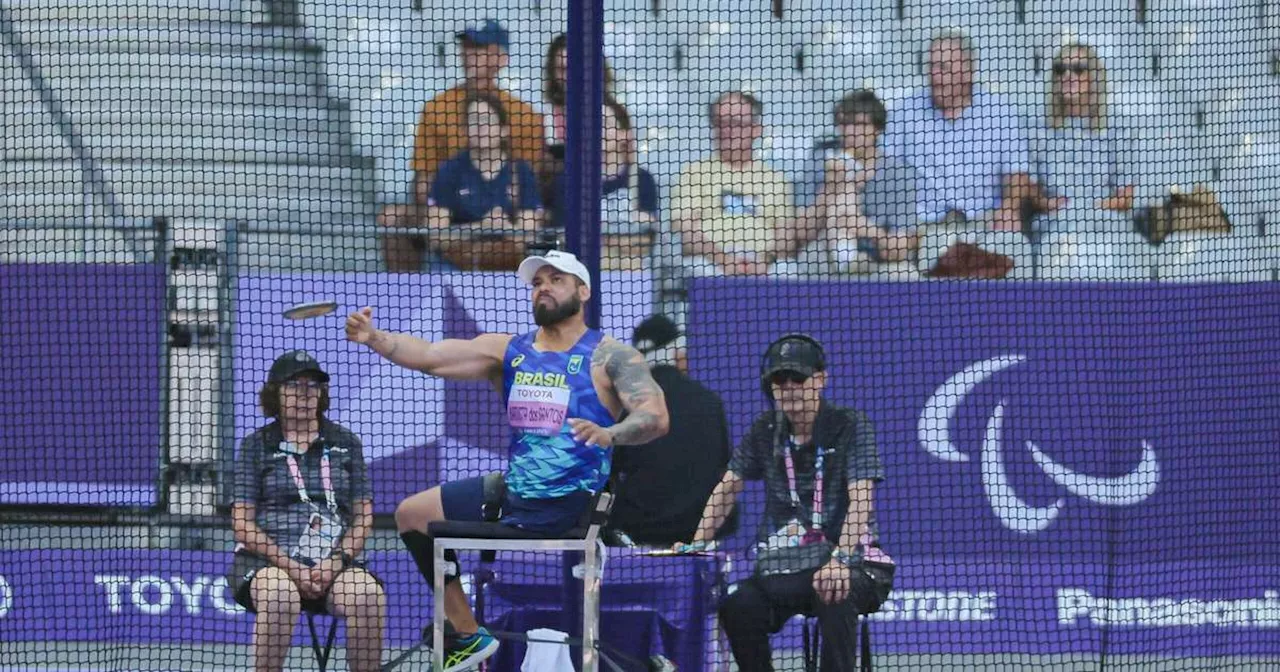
column 934, row 432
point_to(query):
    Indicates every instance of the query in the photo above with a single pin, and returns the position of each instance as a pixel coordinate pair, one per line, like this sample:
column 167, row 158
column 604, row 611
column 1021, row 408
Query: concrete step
column 22, row 214
column 177, row 88
column 197, row 137
column 173, row 11
column 31, row 112
column 264, row 66
column 310, row 252
column 46, row 207
column 302, row 151
column 40, row 177
column 160, row 36
column 73, row 92
column 220, row 179
column 310, row 207
column 33, row 135
column 62, row 245
column 210, row 121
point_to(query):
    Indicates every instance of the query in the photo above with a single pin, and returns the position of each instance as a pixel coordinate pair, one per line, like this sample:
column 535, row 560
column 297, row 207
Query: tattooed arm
column 646, row 406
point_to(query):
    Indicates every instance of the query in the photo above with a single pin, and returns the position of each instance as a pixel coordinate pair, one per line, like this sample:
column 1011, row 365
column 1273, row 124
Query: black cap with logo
column 294, row 363
column 798, row 353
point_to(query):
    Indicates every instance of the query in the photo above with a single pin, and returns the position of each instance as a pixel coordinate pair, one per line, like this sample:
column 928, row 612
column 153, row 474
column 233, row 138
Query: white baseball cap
column 561, row 261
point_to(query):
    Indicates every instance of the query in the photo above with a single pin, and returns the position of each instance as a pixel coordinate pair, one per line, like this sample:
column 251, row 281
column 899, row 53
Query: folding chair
column 492, row 537
column 811, row 640
column 322, row 653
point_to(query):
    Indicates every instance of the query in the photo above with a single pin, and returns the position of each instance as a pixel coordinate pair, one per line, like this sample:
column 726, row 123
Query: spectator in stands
column 730, row 209
column 442, row 134
column 818, row 552
column 555, row 74
column 629, row 208
column 1077, row 153
column 856, row 204
column 662, row 485
column 301, row 514
column 483, row 191
column 968, row 146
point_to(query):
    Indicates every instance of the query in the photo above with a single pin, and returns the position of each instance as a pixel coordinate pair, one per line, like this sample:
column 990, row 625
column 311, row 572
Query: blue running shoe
column 465, row 653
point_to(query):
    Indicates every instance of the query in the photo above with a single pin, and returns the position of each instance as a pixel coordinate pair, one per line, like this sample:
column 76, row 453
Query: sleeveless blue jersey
column 542, row 390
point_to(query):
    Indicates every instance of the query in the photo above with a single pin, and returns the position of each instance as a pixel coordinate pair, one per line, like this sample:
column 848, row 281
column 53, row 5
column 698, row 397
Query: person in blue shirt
column 564, row 386
column 967, row 145
column 483, row 192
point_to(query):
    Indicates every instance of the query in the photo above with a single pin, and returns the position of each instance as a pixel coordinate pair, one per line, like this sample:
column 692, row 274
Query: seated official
column 301, row 515
column 818, row 552
column 662, row 486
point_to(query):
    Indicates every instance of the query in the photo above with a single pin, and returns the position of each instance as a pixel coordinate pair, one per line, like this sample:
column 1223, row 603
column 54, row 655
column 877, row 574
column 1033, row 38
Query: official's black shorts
column 245, row 566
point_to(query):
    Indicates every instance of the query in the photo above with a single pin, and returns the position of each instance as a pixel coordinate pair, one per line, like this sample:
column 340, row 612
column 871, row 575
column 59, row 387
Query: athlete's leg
column 451, row 501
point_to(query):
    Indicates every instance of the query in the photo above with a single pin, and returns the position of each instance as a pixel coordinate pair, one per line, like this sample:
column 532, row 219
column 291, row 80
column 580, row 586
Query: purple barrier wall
column 81, row 385
column 649, row 605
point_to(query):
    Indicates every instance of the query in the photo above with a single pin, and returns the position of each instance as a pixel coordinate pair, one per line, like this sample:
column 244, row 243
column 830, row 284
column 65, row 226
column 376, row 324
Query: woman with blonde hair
column 1078, row 153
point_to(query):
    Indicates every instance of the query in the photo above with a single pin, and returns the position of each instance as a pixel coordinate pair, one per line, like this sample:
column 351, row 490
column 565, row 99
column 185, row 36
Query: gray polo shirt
column 848, row 440
column 889, row 198
column 263, row 479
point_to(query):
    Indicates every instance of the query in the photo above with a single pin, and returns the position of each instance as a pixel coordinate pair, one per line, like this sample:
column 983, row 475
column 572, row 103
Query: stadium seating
column 303, row 123
column 1196, row 257
column 184, row 109
column 1096, row 256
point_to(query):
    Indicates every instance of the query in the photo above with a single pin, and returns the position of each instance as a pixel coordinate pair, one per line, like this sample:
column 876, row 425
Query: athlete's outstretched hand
column 360, row 325
column 590, row 433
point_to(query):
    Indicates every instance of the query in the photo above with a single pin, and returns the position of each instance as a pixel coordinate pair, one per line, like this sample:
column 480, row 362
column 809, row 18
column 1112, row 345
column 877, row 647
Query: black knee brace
column 420, row 547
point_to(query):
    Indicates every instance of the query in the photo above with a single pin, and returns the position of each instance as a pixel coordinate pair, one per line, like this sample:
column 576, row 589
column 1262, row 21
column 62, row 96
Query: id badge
column 787, row 536
column 318, row 540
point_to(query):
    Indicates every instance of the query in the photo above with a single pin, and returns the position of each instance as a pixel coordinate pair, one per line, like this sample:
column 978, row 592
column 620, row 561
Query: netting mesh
column 1036, row 243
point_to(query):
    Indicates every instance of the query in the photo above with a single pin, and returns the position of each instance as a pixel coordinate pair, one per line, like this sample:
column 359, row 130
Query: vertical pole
column 590, row 606
column 583, row 100
column 585, row 96
column 437, row 606
column 161, row 256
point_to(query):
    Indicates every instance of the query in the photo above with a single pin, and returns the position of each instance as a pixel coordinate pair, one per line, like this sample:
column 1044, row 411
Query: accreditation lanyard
column 326, row 480
column 816, row 514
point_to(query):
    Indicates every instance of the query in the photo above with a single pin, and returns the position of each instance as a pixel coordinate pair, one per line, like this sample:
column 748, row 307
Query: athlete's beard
column 546, row 316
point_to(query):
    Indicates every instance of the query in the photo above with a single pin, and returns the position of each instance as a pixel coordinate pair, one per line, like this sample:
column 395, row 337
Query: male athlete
column 565, row 388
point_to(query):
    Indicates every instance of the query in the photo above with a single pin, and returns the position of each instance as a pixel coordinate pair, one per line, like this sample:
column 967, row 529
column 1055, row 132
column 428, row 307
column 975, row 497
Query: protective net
column 1031, row 249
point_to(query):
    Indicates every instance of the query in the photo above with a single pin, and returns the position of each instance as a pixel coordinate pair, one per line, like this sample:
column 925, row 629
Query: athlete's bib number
column 538, row 410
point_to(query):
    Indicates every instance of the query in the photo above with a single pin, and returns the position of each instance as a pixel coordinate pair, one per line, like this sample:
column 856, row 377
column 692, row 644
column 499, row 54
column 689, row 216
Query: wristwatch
column 843, row 558
column 347, row 558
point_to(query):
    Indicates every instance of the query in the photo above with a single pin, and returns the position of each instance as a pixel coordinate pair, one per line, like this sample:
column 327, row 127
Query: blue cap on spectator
column 489, row 32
